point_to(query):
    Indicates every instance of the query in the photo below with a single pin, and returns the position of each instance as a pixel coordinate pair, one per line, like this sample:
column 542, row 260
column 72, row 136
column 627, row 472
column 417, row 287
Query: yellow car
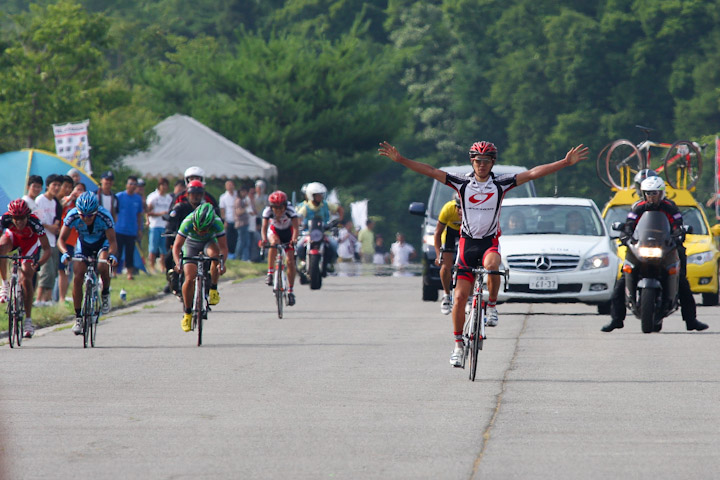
column 703, row 256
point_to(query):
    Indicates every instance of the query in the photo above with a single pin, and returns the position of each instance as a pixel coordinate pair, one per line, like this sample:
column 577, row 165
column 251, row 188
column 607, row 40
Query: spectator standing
column 400, row 252
column 158, row 205
column 346, row 242
column 381, row 255
column 66, row 188
column 74, row 173
column 65, row 271
column 226, row 202
column 129, row 223
column 259, row 202
column 106, row 197
column 34, row 189
column 178, row 189
column 366, row 237
column 47, row 213
column 243, row 207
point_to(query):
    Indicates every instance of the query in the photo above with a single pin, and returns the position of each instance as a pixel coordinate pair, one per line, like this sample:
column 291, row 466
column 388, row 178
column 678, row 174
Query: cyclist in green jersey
column 202, row 230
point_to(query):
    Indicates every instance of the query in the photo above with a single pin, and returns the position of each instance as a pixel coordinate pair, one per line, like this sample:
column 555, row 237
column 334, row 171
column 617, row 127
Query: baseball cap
column 109, row 175
column 141, row 182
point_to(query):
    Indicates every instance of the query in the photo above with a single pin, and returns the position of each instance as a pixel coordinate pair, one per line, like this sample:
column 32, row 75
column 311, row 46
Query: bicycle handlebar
column 18, row 257
column 202, row 258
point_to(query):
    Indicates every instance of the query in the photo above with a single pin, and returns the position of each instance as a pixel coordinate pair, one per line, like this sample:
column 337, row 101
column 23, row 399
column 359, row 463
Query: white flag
column 71, row 143
column 359, row 213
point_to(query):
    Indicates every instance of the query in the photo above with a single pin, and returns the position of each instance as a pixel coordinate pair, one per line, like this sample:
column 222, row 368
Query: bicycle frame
column 200, row 304
column 91, row 299
column 280, row 279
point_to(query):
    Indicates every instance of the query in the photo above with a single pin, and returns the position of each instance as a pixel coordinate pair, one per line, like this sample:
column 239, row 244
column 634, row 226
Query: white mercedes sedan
column 557, row 250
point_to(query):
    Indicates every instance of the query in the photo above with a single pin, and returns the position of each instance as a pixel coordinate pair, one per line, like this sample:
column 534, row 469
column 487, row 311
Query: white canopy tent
column 184, row 142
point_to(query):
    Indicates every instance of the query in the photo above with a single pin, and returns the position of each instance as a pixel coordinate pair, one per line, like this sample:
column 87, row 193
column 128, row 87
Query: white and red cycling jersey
column 282, row 221
column 480, row 202
column 27, row 239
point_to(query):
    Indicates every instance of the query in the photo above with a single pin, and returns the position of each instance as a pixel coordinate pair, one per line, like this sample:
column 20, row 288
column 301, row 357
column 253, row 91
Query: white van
column 439, row 195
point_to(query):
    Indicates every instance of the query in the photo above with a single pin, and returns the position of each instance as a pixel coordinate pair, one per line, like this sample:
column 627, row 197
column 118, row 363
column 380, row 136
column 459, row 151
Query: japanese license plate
column 543, row 282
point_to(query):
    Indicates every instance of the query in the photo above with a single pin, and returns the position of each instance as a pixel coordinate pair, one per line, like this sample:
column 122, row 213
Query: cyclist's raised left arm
column 573, row 156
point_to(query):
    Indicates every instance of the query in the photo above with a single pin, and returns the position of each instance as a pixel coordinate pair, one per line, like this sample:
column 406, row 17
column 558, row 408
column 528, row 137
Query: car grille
column 543, row 263
column 562, row 288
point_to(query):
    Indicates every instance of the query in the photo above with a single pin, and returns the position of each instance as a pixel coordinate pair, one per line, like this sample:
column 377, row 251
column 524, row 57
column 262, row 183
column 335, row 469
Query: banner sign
column 71, row 143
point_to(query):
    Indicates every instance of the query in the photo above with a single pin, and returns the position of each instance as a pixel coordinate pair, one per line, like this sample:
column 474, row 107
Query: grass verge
column 142, row 287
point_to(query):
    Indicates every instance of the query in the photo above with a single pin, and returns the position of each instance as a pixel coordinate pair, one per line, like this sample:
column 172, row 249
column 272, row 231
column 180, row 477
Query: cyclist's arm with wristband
column 112, row 244
column 295, row 230
column 177, row 250
column 62, row 242
column 437, row 241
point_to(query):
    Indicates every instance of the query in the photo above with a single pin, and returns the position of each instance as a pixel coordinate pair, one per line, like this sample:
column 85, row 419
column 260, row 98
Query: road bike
column 280, row 280
column 474, row 327
column 15, row 300
column 200, row 304
column 619, row 161
column 91, row 306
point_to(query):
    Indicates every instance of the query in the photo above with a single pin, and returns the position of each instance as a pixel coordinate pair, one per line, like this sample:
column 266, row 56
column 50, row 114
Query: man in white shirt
column 47, row 209
column 401, row 252
column 226, row 202
column 34, row 189
column 158, row 204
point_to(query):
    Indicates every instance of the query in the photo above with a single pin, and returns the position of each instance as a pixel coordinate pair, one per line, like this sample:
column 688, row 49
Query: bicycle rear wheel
column 87, row 312
column 600, row 166
column 622, row 161
column 683, row 165
column 198, row 308
column 12, row 317
column 19, row 315
column 279, row 291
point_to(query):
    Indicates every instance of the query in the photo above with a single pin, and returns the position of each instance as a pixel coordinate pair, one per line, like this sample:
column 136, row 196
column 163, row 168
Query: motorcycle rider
column 653, row 199
column 196, row 174
column 280, row 224
column 315, row 204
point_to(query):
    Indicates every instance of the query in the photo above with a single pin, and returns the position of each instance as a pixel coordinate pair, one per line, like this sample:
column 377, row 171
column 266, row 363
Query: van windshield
column 443, row 194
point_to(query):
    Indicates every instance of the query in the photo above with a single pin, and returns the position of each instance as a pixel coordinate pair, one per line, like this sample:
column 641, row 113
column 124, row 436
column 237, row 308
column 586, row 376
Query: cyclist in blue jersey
column 96, row 238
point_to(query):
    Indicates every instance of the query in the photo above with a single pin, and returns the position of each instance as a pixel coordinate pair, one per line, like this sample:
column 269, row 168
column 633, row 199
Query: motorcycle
column 652, row 269
column 314, row 252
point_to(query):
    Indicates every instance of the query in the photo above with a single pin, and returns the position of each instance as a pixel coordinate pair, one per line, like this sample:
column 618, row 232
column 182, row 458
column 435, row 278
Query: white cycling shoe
column 492, row 317
column 446, row 305
column 456, row 358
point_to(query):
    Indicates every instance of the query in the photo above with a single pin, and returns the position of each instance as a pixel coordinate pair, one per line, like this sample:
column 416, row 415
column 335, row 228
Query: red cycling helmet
column 278, row 198
column 195, row 186
column 483, row 148
column 18, row 208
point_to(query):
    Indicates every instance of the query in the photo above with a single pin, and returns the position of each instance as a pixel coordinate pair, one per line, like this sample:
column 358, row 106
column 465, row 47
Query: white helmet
column 195, row 172
column 653, row 184
column 314, row 188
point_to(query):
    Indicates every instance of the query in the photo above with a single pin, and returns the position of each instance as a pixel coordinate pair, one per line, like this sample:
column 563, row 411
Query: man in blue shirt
column 129, row 223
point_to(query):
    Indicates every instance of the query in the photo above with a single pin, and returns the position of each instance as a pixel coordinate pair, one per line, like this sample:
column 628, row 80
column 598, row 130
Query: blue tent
column 16, row 167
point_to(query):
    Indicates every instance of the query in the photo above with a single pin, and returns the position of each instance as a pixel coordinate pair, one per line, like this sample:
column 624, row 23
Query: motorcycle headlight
column 700, row 258
column 596, row 261
column 650, row 252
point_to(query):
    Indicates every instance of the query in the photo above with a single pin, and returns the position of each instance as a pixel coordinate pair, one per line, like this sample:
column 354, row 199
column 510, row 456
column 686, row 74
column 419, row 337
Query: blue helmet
column 87, row 203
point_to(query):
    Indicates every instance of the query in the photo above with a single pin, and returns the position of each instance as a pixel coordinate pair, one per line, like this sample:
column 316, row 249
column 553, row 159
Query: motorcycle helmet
column 314, row 188
column 278, row 199
column 194, row 172
column 203, row 217
column 18, row 208
column 483, row 148
column 87, row 203
column 195, row 186
column 640, row 176
column 653, row 189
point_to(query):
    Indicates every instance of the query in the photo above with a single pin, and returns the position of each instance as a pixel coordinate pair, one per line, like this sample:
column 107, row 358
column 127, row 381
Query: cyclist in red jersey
column 23, row 231
column 481, row 195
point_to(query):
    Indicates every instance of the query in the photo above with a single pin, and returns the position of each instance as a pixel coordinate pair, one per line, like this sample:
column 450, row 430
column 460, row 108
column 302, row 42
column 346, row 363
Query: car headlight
column 700, row 258
column 650, row 252
column 596, row 261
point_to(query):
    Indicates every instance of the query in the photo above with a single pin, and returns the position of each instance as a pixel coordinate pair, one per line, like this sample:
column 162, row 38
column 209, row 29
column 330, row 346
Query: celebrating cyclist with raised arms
column 96, row 238
column 280, row 224
column 23, row 231
column 481, row 195
column 201, row 231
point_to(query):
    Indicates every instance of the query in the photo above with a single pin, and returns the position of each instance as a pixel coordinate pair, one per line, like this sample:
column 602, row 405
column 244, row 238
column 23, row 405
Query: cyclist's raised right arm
column 392, row 153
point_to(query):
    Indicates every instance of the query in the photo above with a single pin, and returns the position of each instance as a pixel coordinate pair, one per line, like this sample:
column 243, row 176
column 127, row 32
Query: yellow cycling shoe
column 214, row 297
column 187, row 322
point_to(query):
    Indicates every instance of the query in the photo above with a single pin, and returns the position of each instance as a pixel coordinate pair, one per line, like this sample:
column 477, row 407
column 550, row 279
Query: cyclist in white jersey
column 481, row 194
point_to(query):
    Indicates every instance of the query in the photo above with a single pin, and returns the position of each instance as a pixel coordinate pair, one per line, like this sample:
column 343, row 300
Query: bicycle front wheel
column 682, row 165
column 198, row 308
column 476, row 339
column 13, row 326
column 279, row 292
column 87, row 312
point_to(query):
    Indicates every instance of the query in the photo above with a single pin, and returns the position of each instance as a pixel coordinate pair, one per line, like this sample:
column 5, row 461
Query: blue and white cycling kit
column 91, row 238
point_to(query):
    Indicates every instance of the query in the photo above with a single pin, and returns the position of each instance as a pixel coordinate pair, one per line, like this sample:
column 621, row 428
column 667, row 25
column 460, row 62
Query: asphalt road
column 354, row 383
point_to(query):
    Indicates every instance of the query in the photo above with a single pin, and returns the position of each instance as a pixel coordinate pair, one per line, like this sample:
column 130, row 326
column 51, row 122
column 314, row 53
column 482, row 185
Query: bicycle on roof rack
column 619, row 161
